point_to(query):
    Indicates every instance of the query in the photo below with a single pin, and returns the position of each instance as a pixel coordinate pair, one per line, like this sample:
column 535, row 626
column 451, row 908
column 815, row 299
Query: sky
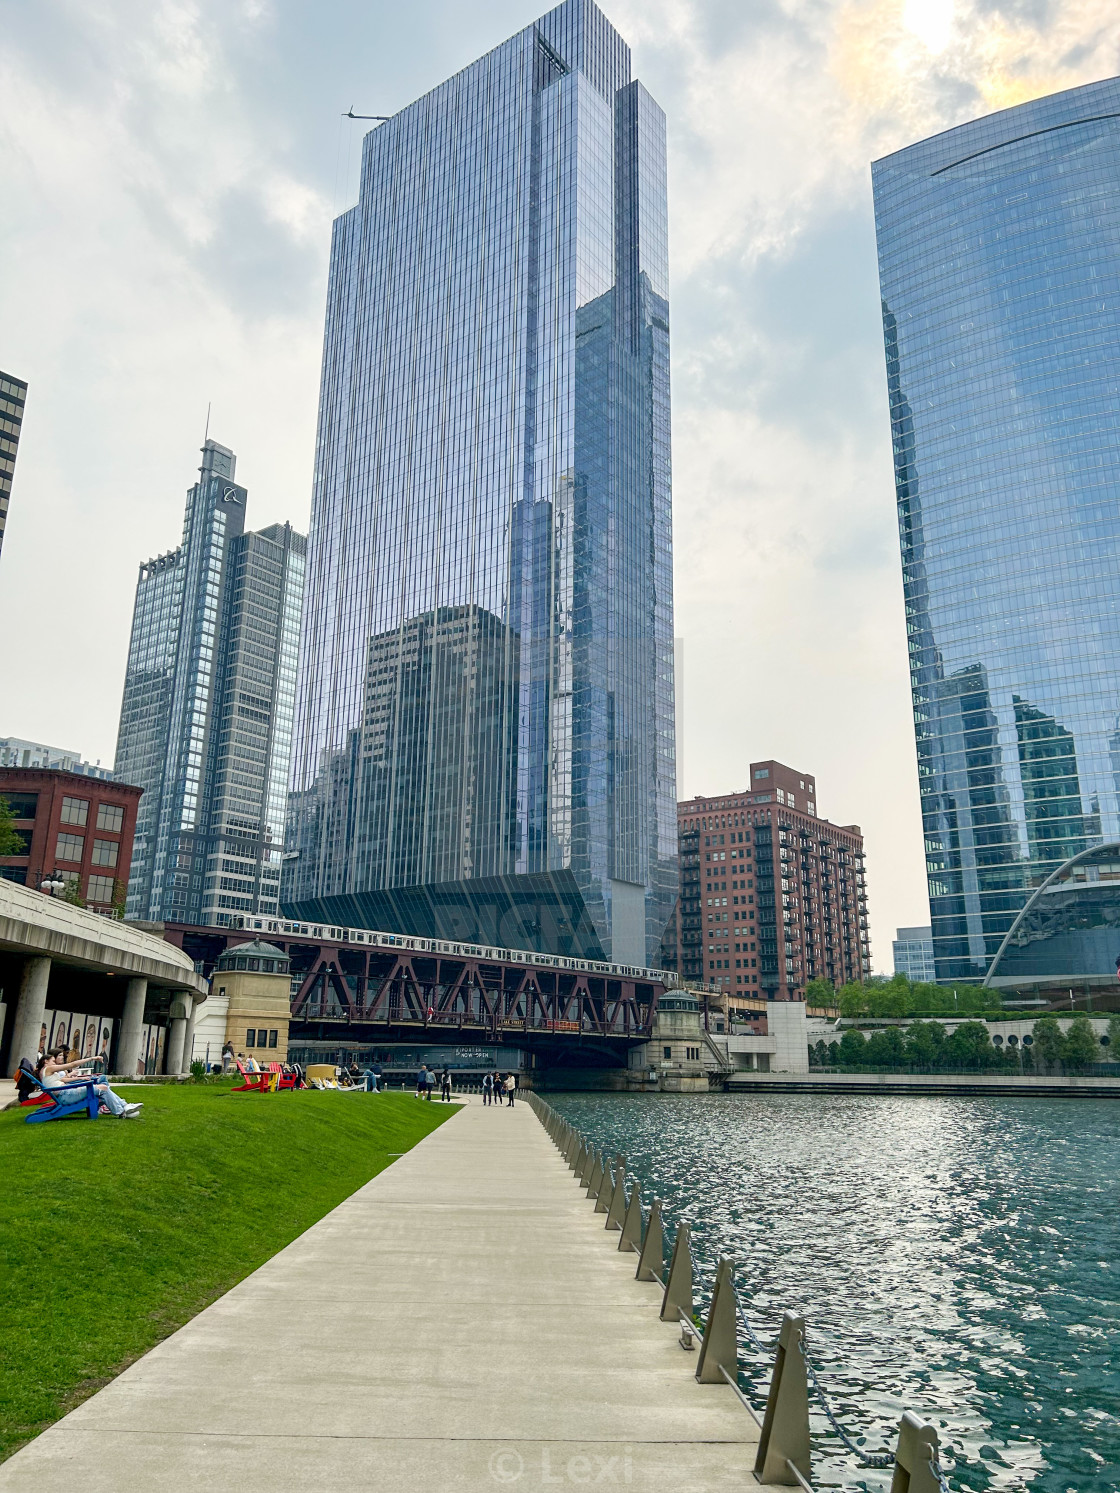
column 169, row 171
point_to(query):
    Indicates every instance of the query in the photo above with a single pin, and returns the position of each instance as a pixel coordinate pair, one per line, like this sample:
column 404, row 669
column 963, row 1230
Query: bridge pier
column 132, row 1028
column 29, row 1013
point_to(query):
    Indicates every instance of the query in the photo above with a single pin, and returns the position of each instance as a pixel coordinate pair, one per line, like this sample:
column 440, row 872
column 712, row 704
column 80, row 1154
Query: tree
column 1113, row 1049
column 886, row 1049
column 73, row 892
column 11, row 841
column 925, row 1044
column 824, row 1053
column 1081, row 1046
column 890, row 999
column 820, row 993
column 970, row 1045
column 853, row 999
column 853, row 1048
column 1048, row 1041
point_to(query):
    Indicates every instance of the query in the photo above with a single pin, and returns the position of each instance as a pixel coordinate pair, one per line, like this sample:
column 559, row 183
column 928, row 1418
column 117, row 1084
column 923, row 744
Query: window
column 74, row 810
column 668, row 1051
column 100, row 889
column 70, row 847
column 273, row 1037
column 251, row 1037
column 22, row 805
column 110, row 817
column 105, row 852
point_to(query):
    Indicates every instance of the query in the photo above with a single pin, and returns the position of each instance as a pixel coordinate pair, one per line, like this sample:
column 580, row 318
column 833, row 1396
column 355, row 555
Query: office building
column 913, row 953
column 206, row 718
column 15, row 752
column 484, row 741
column 75, row 830
column 13, row 399
column 999, row 261
column 772, row 894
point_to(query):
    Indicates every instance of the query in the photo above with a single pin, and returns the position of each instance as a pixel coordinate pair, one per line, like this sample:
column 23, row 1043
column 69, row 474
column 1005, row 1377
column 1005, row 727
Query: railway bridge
column 354, row 986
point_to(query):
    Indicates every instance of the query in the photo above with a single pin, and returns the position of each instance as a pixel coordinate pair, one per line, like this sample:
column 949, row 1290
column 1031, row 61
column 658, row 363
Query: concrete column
column 176, row 1035
column 188, row 1040
column 132, row 1028
column 29, row 1012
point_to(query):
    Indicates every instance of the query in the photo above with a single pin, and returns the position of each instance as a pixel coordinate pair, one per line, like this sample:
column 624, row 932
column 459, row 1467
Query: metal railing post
column 720, row 1348
column 631, row 1237
column 617, row 1209
column 677, row 1301
column 581, row 1160
column 596, row 1179
column 606, row 1187
column 915, row 1459
column 588, row 1167
column 651, row 1261
column 783, row 1444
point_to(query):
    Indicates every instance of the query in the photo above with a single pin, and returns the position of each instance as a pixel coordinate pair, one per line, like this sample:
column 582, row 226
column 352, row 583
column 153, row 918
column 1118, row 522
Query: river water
column 956, row 1257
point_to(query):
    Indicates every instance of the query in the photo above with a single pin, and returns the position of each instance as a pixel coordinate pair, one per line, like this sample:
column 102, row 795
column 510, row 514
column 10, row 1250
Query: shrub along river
column 957, row 1257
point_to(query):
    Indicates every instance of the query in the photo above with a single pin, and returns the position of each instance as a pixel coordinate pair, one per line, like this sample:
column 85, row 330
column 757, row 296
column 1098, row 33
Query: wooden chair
column 255, row 1083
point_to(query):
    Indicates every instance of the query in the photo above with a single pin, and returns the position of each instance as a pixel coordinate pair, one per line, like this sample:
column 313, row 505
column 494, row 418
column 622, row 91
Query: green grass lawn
column 115, row 1233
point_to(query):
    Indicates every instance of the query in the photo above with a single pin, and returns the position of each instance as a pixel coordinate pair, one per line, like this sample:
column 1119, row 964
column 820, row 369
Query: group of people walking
column 496, row 1086
column 427, row 1080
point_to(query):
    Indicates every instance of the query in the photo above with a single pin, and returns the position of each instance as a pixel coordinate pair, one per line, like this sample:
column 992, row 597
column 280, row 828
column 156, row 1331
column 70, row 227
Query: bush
column 1081, row 1046
column 198, row 1072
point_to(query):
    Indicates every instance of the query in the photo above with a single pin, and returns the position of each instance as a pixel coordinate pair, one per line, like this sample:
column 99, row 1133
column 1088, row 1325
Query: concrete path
column 464, row 1322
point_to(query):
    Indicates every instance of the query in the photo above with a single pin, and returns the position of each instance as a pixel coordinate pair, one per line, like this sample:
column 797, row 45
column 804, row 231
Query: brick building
column 80, row 827
column 772, row 895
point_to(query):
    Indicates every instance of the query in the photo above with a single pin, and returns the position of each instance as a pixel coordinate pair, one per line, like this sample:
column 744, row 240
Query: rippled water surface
column 955, row 1257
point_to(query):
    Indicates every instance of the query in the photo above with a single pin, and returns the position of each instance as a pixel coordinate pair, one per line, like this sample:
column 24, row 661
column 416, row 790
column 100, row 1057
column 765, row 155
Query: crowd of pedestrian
column 499, row 1086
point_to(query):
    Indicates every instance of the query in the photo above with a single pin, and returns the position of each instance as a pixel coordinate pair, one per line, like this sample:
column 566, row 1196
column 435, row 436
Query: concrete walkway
column 463, row 1322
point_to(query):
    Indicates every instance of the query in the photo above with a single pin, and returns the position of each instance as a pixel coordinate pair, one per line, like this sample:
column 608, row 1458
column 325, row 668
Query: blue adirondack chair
column 53, row 1109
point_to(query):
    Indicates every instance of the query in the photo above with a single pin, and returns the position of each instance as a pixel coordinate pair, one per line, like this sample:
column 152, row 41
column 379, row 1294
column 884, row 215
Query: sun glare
column 931, row 21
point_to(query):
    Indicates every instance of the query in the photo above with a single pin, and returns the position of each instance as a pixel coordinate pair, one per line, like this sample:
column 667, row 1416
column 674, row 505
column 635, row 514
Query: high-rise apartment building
column 999, row 262
column 913, row 953
column 13, row 399
column 772, row 895
column 485, row 723
column 16, row 752
column 206, row 719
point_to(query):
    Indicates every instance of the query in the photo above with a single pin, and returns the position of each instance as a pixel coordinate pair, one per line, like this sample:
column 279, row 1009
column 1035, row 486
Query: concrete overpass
column 57, row 957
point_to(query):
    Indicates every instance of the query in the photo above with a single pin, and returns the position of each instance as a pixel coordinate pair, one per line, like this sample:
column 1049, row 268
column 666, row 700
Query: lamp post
column 53, row 884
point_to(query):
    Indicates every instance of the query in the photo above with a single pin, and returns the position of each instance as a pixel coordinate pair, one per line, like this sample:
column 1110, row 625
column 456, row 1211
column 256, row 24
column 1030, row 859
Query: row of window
column 76, row 811
column 260, row 1036
column 72, row 848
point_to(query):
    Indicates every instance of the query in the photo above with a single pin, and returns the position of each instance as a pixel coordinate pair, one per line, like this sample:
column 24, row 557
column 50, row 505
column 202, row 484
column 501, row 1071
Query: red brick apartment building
column 80, row 827
column 772, row 895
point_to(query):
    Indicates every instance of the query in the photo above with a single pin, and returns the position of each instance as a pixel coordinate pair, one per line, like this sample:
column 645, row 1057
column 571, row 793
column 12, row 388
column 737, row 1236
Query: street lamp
column 53, row 884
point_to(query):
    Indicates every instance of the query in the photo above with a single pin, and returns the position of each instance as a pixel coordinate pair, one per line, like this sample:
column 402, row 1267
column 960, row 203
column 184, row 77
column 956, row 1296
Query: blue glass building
column 484, row 742
column 999, row 261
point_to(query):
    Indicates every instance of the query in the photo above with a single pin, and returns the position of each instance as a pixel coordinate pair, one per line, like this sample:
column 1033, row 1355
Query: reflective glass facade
column 1069, row 931
column 206, row 717
column 999, row 260
column 485, row 724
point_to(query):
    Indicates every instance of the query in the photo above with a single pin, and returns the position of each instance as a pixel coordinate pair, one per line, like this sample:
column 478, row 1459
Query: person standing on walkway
column 487, row 1088
column 511, row 1088
column 227, row 1058
column 445, row 1085
column 421, row 1082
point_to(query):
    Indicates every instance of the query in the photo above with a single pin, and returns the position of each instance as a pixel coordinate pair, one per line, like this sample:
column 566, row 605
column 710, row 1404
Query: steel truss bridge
column 360, row 985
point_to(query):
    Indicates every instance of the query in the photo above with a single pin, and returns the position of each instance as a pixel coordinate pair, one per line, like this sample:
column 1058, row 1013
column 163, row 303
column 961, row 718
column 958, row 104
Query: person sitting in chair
column 55, row 1068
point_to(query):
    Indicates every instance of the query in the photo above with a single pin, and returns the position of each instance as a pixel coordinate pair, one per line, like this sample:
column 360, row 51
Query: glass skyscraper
column 999, row 261
column 206, row 718
column 484, row 741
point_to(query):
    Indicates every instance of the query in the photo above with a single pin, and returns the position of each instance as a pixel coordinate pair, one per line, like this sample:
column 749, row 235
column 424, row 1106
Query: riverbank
column 1019, row 1086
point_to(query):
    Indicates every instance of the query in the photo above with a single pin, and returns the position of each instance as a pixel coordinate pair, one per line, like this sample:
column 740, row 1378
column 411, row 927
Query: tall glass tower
column 484, row 742
column 206, row 717
column 999, row 261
